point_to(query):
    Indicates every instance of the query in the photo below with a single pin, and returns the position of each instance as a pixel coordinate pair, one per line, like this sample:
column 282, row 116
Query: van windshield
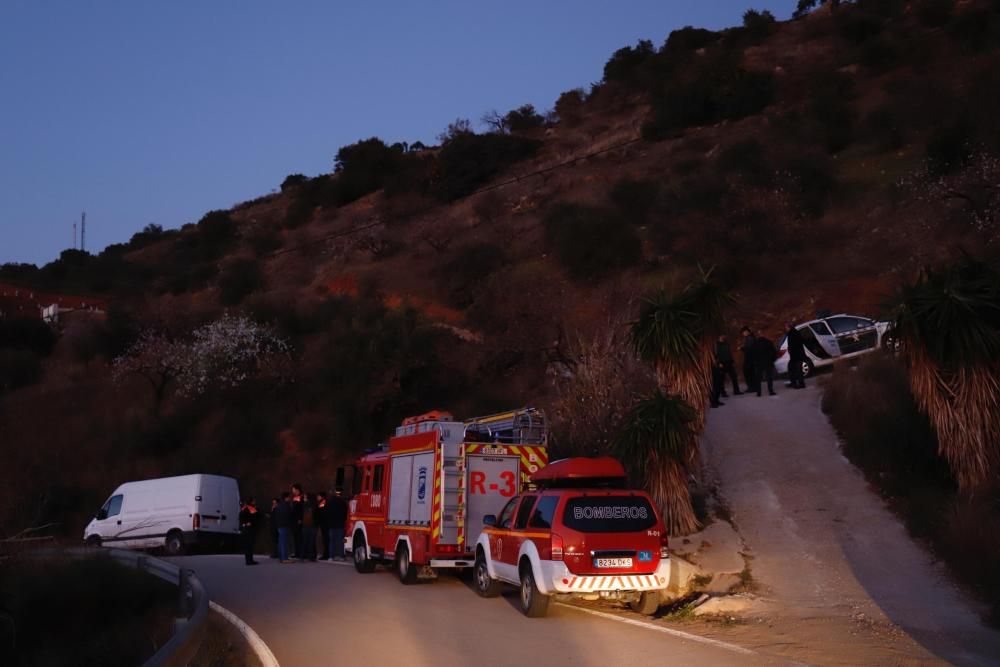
column 609, row 514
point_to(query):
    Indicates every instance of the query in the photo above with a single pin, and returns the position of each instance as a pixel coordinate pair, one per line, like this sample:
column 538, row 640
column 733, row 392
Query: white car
column 832, row 338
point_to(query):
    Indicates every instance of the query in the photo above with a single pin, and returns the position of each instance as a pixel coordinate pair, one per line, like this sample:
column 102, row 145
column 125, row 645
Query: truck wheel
column 362, row 563
column 533, row 603
column 93, row 541
column 647, row 604
column 405, row 570
column 807, row 368
column 174, row 544
column 486, row 586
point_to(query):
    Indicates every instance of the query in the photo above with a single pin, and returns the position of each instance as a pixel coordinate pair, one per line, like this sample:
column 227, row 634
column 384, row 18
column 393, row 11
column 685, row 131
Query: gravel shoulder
column 845, row 581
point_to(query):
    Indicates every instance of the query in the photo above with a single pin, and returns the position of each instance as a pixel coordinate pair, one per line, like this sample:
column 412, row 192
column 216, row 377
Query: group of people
column 759, row 355
column 299, row 522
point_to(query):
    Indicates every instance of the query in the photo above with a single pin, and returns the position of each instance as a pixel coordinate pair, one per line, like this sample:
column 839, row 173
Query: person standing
column 309, row 525
column 337, row 518
column 283, row 521
column 323, row 521
column 796, row 357
column 248, row 528
column 749, row 366
column 273, row 528
column 296, row 505
column 724, row 358
column 764, row 356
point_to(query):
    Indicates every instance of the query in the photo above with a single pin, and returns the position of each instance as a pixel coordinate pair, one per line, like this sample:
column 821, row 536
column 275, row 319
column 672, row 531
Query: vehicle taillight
column 557, row 547
column 196, row 521
column 664, row 546
column 781, row 353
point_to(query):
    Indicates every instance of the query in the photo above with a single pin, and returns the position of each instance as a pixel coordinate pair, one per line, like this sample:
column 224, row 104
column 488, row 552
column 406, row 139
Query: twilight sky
column 158, row 111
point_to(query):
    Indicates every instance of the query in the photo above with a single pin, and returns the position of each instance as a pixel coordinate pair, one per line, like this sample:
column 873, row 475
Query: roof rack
column 524, row 426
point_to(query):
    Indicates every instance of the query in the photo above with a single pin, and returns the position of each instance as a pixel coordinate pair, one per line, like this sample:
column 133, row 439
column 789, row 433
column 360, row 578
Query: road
column 327, row 614
column 848, row 583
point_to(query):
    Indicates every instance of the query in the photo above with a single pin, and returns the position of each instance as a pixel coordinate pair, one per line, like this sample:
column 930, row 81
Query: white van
column 171, row 512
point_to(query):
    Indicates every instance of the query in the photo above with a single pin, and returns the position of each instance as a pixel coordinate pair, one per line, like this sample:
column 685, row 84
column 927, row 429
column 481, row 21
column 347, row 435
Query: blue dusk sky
column 158, row 111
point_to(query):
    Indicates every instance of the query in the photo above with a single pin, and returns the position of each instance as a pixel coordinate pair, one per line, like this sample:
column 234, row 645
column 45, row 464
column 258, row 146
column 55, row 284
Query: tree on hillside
column 674, row 333
column 948, row 325
column 222, row 354
column 806, row 6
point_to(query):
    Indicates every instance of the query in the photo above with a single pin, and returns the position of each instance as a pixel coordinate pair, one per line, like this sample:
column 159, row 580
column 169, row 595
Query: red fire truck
column 419, row 501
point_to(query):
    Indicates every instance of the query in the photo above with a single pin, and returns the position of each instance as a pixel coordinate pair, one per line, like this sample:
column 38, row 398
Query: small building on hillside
column 18, row 302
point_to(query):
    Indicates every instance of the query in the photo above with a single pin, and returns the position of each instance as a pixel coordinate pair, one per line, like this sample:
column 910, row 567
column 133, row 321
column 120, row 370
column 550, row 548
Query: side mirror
column 490, row 520
column 101, row 515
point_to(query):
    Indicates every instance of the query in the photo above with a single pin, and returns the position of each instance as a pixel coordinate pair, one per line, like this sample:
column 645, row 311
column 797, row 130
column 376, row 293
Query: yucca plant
column 653, row 446
column 948, row 327
column 675, row 332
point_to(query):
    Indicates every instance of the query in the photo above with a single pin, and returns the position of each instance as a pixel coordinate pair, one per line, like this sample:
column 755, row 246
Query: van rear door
column 210, row 506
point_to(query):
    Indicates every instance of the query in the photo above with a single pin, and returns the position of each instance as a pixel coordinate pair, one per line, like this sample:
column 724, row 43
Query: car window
column 508, row 511
column 842, row 324
column 609, row 514
column 820, row 328
column 114, row 505
column 544, row 510
column 524, row 512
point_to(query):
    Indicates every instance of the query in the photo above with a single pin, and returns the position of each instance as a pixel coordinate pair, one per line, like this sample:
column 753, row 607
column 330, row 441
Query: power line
column 487, row 188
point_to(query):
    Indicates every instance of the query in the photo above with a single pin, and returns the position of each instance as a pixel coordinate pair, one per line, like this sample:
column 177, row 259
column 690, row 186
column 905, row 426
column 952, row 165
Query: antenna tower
column 74, row 236
column 83, row 231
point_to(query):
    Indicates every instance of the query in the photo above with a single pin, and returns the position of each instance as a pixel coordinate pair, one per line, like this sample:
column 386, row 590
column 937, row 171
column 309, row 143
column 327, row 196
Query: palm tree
column 948, row 327
column 674, row 333
column 653, row 447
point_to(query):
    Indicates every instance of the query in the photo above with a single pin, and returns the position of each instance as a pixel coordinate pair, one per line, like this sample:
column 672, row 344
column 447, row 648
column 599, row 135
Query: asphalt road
column 327, row 614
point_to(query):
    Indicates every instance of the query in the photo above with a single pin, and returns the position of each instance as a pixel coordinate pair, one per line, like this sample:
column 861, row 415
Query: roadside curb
column 260, row 649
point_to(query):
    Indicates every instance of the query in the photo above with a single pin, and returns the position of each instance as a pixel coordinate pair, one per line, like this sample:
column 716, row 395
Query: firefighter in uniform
column 248, row 529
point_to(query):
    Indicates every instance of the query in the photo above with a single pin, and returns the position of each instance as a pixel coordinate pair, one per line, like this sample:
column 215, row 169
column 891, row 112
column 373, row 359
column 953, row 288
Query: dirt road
column 847, row 583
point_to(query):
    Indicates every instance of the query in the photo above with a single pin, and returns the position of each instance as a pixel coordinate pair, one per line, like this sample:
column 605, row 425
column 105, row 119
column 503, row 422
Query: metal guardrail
column 192, row 601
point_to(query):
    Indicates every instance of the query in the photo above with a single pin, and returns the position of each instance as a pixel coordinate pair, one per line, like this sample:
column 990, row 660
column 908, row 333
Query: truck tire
column 405, row 569
column 532, row 602
column 174, row 544
column 647, row 604
column 486, row 586
column 362, row 563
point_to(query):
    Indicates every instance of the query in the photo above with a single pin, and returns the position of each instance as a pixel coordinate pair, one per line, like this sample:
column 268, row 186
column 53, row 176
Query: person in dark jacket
column 724, row 358
column 796, row 357
column 298, row 498
column 310, row 522
column 764, row 354
column 284, row 521
column 323, row 522
column 273, row 528
column 749, row 372
column 248, row 528
column 337, row 519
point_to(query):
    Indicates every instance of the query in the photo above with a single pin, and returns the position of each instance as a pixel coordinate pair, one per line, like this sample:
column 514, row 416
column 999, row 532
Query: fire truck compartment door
column 492, row 481
column 421, row 493
column 399, row 485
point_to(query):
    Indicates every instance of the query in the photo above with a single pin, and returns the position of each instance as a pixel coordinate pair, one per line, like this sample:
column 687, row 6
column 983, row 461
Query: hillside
column 815, row 163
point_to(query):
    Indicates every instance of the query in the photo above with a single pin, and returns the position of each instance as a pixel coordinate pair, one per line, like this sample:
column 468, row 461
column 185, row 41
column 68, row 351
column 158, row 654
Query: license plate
column 612, row 562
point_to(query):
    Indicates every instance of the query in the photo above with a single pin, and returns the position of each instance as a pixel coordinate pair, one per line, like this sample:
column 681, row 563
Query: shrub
column 465, row 274
column 29, row 334
column 747, row 159
column 758, row 25
column 362, row 168
column 630, row 66
column 523, row 119
column 468, row 160
column 830, row 107
column 569, row 106
column 635, row 199
column 885, row 128
column 293, row 181
column 591, row 242
column 857, row 27
column 239, row 278
column 811, row 182
column 216, row 230
column 684, row 42
column 949, row 147
column 934, row 13
column 18, row 368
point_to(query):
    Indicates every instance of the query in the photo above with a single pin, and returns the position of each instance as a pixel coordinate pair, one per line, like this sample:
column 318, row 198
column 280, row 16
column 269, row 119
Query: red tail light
column 664, row 546
column 556, row 548
column 196, row 522
column 781, row 353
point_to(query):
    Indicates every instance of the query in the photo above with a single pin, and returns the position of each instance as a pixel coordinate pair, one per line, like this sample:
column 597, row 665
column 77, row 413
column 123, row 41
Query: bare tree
column 494, row 120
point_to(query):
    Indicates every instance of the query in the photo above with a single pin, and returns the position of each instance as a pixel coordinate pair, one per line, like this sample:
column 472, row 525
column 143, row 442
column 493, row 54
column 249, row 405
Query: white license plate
column 612, row 562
